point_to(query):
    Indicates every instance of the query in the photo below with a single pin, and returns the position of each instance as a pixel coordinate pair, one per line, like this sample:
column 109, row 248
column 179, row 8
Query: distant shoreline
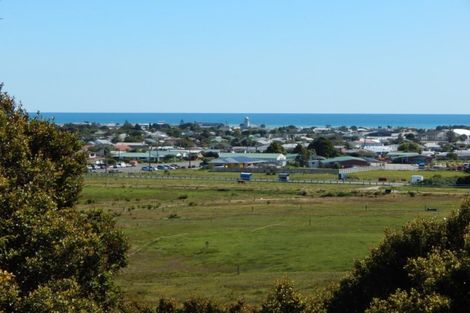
column 270, row 120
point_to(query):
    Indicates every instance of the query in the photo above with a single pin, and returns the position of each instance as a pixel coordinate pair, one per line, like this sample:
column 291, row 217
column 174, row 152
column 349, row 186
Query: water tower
column 246, row 123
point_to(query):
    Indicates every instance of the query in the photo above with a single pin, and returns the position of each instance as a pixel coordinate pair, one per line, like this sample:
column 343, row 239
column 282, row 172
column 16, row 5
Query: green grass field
column 392, row 176
column 223, row 240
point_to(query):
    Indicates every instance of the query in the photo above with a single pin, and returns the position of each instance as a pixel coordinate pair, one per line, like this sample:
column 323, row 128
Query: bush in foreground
column 282, row 299
column 53, row 258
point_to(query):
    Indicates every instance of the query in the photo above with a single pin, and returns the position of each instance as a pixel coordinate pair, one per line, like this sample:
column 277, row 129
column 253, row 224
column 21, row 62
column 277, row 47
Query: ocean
column 268, row 119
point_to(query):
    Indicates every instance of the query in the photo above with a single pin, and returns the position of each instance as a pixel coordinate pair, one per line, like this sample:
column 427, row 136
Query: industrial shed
column 344, row 162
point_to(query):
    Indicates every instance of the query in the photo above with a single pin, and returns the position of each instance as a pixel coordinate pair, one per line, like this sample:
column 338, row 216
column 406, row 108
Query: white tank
column 416, row 179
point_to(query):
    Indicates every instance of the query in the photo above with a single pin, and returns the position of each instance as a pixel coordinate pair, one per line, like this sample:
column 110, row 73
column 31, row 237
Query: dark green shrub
column 463, row 180
column 438, row 180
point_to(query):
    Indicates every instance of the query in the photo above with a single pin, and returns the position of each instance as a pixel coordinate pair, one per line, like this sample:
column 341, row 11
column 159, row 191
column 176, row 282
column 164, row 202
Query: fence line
column 360, row 169
column 275, row 170
column 232, row 179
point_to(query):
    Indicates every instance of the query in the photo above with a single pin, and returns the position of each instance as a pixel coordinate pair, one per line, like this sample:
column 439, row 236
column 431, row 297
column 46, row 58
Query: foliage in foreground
column 53, row 258
column 283, row 298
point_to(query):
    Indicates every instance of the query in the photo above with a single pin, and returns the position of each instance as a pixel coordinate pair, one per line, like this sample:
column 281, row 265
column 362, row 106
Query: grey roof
column 237, row 160
column 263, row 156
column 403, row 154
column 141, row 155
column 343, row 159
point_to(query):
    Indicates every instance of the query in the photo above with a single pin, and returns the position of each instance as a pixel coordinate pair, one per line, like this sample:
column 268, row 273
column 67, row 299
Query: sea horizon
column 414, row 120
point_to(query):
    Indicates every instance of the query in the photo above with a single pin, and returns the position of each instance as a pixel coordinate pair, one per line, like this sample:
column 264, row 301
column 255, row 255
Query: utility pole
column 189, row 157
column 105, row 161
column 150, row 150
column 158, row 157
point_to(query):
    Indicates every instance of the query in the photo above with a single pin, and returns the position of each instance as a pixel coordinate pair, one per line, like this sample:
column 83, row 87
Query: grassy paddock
column 223, row 240
column 405, row 175
column 392, row 176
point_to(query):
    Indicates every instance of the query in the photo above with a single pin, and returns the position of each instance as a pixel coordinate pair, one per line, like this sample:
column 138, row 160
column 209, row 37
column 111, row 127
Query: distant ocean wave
column 268, row 119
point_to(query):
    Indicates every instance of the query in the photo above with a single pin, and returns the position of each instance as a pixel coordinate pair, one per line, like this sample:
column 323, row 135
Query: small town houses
column 245, row 146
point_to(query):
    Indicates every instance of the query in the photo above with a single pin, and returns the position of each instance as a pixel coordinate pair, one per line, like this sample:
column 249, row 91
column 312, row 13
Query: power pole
column 105, row 161
column 189, row 157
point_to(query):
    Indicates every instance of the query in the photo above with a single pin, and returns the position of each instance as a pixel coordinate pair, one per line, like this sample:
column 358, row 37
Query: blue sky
column 330, row 56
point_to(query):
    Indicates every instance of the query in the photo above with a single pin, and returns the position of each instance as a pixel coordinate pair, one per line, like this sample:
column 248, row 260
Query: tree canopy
column 275, row 147
column 409, row 146
column 303, row 155
column 52, row 256
column 323, row 147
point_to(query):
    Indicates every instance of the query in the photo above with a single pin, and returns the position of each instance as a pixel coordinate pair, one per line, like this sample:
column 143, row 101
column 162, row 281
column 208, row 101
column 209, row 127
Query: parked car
column 148, row 168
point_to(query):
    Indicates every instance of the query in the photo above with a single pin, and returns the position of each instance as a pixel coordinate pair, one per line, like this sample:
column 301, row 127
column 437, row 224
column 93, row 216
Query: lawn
column 224, row 240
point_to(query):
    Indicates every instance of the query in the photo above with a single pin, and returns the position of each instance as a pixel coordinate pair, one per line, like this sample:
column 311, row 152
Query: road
column 138, row 168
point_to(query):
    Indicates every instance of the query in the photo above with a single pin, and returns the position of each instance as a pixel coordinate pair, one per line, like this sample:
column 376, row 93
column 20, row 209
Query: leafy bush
column 53, row 258
column 200, row 306
column 438, row 180
column 283, row 299
column 410, row 302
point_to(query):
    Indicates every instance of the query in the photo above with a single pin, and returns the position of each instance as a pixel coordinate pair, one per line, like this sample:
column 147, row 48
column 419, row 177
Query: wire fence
column 236, row 179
